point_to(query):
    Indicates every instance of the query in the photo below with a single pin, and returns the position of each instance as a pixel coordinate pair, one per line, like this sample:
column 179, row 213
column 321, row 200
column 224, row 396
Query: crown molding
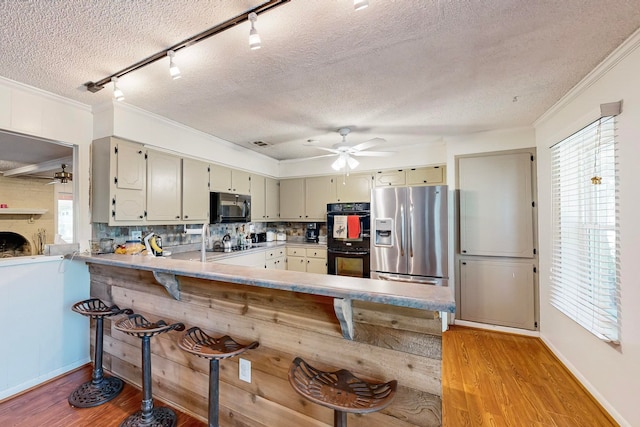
column 618, row 55
column 12, row 84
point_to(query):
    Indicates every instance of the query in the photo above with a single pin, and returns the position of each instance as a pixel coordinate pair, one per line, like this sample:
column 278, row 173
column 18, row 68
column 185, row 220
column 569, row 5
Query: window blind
column 585, row 271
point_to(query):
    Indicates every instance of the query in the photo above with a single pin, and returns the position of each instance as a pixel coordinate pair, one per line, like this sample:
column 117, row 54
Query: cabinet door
column 292, row 199
column 499, row 292
column 195, row 190
column 390, row 178
column 258, row 198
column 316, row 265
column 220, row 178
column 354, row 188
column 496, row 212
column 296, row 263
column 434, row 175
column 240, row 182
column 130, row 165
column 272, row 199
column 318, row 192
column 164, row 187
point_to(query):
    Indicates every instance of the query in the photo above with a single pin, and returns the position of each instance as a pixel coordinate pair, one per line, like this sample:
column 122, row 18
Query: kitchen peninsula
column 379, row 330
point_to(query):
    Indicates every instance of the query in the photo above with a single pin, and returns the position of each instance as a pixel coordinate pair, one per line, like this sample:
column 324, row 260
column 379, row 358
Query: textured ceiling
column 410, row 71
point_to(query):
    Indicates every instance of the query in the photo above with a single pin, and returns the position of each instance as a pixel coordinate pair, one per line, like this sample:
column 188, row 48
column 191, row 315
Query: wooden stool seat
column 137, row 326
column 340, row 390
column 100, row 389
column 196, row 341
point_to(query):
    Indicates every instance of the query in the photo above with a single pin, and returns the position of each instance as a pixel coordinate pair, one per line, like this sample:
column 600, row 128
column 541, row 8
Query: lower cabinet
column 256, row 259
column 276, row 258
column 498, row 292
column 310, row 260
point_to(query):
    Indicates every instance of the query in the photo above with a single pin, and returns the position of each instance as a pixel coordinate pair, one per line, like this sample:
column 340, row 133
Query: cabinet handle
column 185, row 217
column 178, row 217
column 464, row 263
column 464, row 252
column 141, row 216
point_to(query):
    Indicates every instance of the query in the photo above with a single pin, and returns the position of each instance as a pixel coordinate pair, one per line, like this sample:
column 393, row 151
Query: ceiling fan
column 62, row 176
column 346, row 152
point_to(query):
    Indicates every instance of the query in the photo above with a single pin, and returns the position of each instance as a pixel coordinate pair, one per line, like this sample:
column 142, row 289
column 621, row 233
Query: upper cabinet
column 227, row 180
column 265, row 199
column 164, row 187
column 496, row 205
column 195, row 190
column 305, row 199
column 118, row 184
column 354, row 188
column 432, row 175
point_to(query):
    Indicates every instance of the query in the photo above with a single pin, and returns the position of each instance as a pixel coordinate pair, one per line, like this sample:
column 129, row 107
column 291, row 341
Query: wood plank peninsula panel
column 389, row 342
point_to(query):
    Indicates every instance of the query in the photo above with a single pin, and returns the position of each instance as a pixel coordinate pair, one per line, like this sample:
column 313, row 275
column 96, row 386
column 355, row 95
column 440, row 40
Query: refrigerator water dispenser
column 383, row 232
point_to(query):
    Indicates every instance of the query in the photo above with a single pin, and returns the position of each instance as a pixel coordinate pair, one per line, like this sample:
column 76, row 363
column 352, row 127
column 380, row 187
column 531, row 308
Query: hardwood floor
column 489, row 379
column 497, row 379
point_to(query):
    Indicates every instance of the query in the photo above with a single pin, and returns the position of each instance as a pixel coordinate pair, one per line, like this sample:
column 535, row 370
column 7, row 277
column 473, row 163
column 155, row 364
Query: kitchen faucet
column 205, row 235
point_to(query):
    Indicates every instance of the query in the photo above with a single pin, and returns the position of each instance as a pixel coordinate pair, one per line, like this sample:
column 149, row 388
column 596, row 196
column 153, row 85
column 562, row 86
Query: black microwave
column 227, row 207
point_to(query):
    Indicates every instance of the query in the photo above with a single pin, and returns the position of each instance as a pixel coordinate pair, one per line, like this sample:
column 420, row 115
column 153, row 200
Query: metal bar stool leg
column 100, row 389
column 214, row 392
column 339, row 419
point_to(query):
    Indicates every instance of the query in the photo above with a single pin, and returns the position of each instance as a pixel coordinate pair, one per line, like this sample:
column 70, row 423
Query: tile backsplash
column 174, row 235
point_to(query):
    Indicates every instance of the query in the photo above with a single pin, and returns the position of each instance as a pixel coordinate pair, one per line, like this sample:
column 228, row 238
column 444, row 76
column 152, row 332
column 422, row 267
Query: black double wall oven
column 348, row 239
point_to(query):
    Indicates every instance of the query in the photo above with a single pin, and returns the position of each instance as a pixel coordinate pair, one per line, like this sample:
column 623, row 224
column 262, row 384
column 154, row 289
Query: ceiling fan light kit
column 63, row 176
column 360, row 4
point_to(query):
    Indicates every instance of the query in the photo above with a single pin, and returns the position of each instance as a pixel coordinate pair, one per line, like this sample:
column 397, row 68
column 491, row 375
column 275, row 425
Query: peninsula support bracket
column 170, row 283
column 344, row 313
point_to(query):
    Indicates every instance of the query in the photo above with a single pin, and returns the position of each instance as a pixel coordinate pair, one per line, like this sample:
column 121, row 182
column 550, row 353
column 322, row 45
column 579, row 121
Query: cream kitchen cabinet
column 430, row 175
column 118, row 182
column 292, row 199
column 318, row 192
column 272, row 196
column 195, row 190
column 276, row 258
column 434, row 175
column 228, row 180
column 265, row 198
column 310, row 260
column 354, row 188
column 296, row 259
column 256, row 260
column 164, row 188
column 316, row 260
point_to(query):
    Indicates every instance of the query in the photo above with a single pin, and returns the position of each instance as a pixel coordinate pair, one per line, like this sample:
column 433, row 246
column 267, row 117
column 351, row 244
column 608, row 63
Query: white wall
column 33, row 112
column 126, row 121
column 611, row 374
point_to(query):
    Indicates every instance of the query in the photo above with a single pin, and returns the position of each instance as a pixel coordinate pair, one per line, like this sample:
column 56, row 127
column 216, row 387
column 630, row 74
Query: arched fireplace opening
column 13, row 244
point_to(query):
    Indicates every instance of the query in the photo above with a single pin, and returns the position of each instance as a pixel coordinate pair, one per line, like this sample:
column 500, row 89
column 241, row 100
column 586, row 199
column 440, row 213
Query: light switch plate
column 136, row 235
column 245, row 370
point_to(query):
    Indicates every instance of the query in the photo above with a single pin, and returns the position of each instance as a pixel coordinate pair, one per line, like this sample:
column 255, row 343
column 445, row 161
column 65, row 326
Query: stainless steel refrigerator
column 409, row 234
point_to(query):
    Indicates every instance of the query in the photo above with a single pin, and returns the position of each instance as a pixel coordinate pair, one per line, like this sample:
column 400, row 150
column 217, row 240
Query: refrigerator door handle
column 409, row 236
column 402, row 231
column 396, row 278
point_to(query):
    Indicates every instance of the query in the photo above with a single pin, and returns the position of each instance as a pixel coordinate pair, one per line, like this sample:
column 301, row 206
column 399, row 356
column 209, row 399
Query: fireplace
column 13, row 244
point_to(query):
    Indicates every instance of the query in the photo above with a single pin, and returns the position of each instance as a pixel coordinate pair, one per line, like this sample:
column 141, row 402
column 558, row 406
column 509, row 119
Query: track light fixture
column 254, row 37
column 173, row 68
column 360, row 4
column 117, row 93
column 230, row 23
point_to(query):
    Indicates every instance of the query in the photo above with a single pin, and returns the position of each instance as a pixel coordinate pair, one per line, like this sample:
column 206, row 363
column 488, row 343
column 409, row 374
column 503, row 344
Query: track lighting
column 117, row 93
column 360, row 4
column 173, row 68
column 254, row 42
column 254, row 37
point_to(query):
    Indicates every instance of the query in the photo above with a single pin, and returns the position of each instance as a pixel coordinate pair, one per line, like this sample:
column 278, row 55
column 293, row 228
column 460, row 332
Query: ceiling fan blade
column 307, row 158
column 372, row 153
column 331, row 150
column 368, row 144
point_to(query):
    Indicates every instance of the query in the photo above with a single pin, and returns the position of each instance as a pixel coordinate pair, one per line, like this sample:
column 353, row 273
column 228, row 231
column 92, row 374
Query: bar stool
column 100, row 389
column 195, row 341
column 137, row 326
column 340, row 391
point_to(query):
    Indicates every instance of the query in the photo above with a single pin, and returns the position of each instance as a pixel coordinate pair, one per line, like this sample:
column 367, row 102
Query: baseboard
column 496, row 328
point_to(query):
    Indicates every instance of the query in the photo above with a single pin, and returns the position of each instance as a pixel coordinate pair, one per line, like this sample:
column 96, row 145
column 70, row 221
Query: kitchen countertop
column 401, row 294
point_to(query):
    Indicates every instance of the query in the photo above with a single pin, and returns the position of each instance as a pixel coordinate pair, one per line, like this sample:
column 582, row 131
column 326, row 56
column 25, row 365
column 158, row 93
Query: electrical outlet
column 244, row 370
column 136, row 235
